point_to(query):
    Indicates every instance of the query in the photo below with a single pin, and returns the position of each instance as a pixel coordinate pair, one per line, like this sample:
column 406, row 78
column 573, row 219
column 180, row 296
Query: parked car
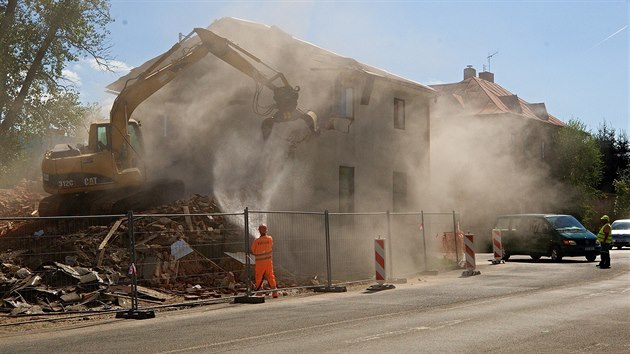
column 547, row 235
column 621, row 233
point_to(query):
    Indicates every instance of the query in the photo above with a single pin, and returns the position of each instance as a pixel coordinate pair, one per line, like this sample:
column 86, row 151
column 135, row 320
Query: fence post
column 455, row 237
column 424, row 241
column 390, row 259
column 134, row 312
column 328, row 288
column 248, row 262
column 328, row 261
column 248, row 298
column 389, row 249
column 424, row 247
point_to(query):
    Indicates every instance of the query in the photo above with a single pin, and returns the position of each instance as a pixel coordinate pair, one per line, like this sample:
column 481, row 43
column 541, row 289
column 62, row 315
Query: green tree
column 622, row 199
column 615, row 155
column 38, row 39
column 578, row 165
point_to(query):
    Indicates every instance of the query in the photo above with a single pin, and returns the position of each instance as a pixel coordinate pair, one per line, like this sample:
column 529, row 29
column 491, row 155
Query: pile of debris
column 68, row 265
column 56, row 287
column 22, row 200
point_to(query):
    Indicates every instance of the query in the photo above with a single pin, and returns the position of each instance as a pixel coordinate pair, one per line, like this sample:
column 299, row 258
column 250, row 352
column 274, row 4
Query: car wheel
column 619, row 247
column 535, row 256
column 591, row 257
column 556, row 255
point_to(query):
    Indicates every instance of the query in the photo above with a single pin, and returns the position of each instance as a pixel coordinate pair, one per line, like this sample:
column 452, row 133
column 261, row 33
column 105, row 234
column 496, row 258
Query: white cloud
column 116, row 65
column 71, row 76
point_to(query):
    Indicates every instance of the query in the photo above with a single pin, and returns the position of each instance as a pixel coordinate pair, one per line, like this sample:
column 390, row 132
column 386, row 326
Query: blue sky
column 572, row 55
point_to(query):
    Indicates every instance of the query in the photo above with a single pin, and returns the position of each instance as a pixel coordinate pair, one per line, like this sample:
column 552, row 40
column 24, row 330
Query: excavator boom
column 108, row 176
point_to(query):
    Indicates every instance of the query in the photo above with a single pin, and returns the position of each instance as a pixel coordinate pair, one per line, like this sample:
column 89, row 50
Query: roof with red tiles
column 481, row 97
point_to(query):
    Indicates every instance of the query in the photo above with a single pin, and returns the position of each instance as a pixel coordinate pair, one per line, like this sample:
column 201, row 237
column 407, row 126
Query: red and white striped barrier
column 469, row 250
column 379, row 260
column 497, row 248
column 379, row 266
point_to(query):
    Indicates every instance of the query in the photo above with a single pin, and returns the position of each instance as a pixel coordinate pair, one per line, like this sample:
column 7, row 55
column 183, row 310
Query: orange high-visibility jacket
column 262, row 248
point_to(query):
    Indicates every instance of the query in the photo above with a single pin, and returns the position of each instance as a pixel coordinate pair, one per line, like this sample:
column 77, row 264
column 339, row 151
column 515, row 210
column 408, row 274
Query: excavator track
column 114, row 202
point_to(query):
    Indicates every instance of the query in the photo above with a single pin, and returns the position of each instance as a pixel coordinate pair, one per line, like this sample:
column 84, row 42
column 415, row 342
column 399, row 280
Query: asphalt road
column 517, row 307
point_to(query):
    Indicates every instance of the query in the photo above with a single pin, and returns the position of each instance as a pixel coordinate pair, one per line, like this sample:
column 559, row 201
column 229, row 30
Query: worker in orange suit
column 262, row 248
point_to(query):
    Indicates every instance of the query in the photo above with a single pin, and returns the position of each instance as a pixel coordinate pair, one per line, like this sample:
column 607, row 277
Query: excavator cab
column 100, row 138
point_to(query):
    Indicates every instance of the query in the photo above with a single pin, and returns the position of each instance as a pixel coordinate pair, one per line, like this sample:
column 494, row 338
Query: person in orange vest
column 262, row 248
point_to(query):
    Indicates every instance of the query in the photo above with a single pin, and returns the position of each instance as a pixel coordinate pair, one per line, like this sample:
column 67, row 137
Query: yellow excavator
column 107, row 176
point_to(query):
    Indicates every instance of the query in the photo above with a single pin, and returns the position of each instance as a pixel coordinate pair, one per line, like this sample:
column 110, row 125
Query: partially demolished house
column 372, row 151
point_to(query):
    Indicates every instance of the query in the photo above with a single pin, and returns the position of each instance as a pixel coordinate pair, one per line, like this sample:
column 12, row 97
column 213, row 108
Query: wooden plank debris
column 188, row 218
column 103, row 244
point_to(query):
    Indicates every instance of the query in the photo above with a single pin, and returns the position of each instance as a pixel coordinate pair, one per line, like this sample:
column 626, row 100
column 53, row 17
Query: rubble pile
column 56, row 287
column 22, row 200
column 63, row 268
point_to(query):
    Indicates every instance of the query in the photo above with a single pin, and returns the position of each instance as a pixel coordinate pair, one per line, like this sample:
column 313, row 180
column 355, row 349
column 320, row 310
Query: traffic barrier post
column 469, row 250
column 379, row 265
column 497, row 248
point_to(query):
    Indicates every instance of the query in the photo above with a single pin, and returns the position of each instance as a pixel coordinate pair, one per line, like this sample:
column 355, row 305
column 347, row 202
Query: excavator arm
column 285, row 96
column 105, row 177
column 138, row 89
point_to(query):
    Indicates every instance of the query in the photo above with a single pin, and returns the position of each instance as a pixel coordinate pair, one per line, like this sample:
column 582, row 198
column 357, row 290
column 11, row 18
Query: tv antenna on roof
column 489, row 57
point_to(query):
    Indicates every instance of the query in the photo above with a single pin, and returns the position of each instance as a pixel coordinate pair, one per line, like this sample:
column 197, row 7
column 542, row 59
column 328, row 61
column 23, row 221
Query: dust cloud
column 488, row 166
column 201, row 128
column 479, row 168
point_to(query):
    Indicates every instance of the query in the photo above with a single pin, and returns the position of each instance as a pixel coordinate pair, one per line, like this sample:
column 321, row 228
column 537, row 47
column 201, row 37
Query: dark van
column 547, row 235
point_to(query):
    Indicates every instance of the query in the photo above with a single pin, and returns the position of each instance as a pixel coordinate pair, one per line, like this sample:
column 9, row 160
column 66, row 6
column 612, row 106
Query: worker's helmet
column 262, row 228
column 605, row 217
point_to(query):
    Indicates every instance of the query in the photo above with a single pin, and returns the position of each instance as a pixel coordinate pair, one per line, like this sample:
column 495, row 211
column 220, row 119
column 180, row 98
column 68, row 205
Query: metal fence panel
column 54, row 264
column 444, row 238
column 407, row 246
column 177, row 251
column 299, row 245
column 352, row 244
column 33, row 242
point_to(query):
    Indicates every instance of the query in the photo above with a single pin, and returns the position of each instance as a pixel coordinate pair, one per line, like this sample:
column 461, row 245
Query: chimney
column 469, row 72
column 486, row 75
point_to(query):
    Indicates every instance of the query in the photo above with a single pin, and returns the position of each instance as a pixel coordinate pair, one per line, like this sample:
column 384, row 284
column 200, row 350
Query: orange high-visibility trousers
column 265, row 269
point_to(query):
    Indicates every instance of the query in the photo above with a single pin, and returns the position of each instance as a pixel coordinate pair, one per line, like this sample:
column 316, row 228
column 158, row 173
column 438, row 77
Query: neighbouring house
column 490, row 150
column 372, row 152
